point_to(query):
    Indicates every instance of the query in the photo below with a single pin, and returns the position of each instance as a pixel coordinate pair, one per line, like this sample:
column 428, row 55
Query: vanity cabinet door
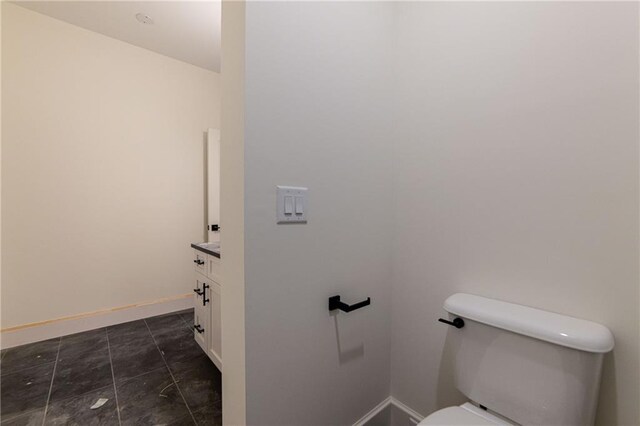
column 215, row 336
column 201, row 313
column 213, row 268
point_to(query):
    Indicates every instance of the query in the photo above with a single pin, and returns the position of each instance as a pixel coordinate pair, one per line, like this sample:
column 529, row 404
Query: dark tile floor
column 151, row 372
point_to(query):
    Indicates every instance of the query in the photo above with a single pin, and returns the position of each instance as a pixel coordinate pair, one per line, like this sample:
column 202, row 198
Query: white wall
column 317, row 114
column 516, row 177
column 102, row 169
column 490, row 148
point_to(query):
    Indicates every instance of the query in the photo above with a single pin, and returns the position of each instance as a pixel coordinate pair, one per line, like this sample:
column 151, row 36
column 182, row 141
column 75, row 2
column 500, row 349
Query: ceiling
column 185, row 30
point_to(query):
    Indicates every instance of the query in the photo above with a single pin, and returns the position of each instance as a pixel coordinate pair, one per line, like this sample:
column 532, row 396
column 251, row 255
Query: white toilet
column 520, row 365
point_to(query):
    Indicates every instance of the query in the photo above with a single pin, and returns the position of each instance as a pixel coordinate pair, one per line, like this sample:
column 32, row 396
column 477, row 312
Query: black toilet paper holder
column 336, row 303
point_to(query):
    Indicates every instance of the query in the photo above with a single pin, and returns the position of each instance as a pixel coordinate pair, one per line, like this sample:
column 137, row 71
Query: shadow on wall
column 446, row 393
column 346, row 355
column 608, row 398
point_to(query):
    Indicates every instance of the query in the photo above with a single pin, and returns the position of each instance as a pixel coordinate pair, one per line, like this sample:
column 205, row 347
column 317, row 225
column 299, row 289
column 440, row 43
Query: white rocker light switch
column 299, row 206
column 288, row 205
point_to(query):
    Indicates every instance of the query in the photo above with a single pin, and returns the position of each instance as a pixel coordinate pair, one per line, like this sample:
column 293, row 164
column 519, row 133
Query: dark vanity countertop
column 215, row 251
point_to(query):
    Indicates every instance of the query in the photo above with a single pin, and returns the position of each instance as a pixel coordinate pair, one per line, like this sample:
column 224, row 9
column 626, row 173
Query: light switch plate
column 291, row 204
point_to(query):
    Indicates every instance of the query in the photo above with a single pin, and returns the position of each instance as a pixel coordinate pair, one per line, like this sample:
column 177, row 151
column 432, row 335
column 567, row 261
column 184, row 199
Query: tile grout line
column 127, row 379
column 185, row 322
column 171, row 374
column 113, row 377
column 19, row 370
column 53, row 376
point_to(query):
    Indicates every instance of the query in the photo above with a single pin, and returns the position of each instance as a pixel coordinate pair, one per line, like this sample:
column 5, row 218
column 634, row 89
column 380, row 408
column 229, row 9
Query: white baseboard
column 411, row 413
column 389, row 401
column 43, row 330
column 374, row 411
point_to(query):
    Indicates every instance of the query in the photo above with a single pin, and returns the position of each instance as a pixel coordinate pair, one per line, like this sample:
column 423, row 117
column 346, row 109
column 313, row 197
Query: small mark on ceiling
column 144, row 19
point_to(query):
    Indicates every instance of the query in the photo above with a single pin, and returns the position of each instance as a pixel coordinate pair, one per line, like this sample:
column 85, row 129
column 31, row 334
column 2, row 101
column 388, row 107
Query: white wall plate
column 291, row 204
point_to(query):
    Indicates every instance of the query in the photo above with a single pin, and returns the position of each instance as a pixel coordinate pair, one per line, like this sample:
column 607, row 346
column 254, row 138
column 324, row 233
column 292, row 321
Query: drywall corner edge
column 232, row 213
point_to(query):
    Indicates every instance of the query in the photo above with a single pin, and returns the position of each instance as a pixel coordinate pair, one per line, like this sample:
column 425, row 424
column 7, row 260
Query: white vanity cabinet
column 207, row 305
column 215, row 337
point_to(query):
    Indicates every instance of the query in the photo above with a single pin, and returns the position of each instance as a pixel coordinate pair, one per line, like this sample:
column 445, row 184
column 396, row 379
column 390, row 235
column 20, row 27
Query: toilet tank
column 531, row 366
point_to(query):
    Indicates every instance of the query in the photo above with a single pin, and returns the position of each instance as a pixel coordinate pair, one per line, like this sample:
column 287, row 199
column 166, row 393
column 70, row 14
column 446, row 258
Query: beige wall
column 232, row 171
column 516, row 177
column 102, row 169
column 316, row 115
column 0, row 164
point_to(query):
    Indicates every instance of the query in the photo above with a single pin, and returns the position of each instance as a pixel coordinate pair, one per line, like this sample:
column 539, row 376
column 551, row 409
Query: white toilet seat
column 465, row 415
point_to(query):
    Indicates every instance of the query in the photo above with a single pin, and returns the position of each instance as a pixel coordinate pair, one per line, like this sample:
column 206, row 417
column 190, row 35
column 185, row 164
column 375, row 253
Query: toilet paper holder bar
column 335, row 303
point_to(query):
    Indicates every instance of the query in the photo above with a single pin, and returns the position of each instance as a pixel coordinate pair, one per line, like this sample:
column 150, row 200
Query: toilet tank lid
column 548, row 326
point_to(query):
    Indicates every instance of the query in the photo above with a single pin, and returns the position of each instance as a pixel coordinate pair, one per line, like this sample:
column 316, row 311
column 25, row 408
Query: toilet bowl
column 521, row 365
column 466, row 414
